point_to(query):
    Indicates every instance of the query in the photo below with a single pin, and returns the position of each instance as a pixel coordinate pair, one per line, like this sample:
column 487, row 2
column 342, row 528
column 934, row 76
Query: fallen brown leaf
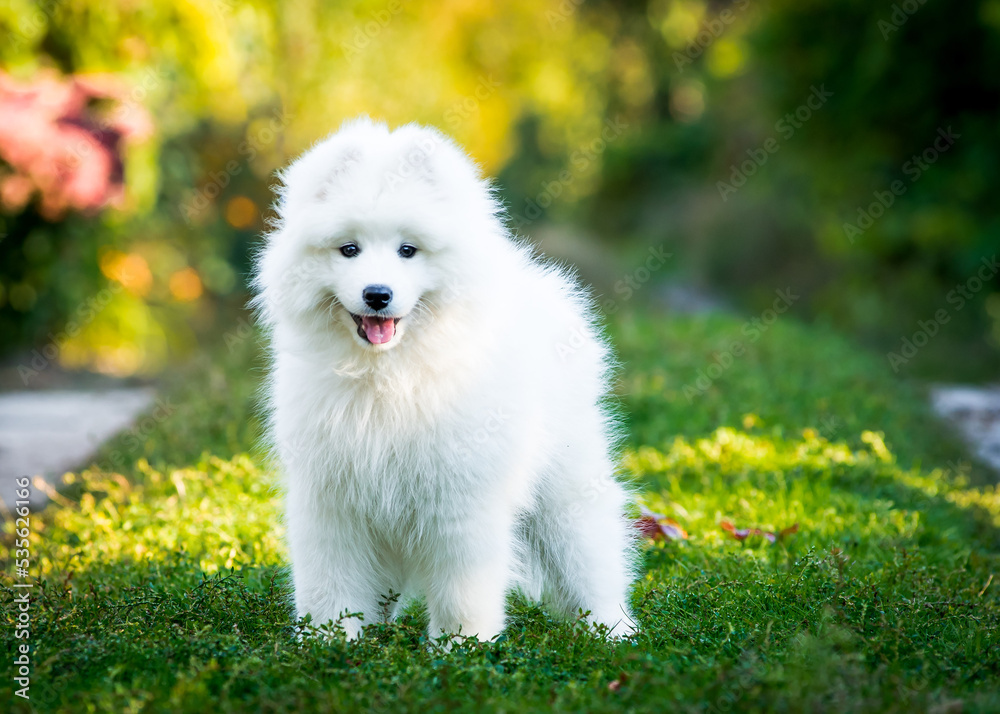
column 656, row 525
column 744, row 533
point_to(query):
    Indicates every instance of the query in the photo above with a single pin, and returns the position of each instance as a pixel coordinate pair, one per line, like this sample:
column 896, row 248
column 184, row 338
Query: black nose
column 376, row 296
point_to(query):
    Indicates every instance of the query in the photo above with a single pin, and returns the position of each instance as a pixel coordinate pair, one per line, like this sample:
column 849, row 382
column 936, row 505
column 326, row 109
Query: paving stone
column 47, row 433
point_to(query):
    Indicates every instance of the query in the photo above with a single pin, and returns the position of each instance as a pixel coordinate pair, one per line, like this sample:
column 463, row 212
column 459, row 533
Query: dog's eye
column 407, row 251
column 349, row 250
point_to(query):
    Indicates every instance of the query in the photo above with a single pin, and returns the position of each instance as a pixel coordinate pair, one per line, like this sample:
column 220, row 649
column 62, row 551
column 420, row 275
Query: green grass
column 163, row 590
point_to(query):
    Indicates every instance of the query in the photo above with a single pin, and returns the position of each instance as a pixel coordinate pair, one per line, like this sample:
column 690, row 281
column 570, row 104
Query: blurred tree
column 899, row 166
column 844, row 148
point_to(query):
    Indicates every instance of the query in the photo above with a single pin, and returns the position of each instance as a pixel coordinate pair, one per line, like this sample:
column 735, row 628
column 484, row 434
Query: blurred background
column 682, row 153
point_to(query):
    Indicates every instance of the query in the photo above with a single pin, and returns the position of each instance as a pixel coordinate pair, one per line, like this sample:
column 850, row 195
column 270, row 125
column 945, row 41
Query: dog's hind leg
column 586, row 547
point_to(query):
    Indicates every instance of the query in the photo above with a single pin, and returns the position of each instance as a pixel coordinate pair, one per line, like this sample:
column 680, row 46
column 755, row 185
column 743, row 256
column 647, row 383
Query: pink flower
column 57, row 144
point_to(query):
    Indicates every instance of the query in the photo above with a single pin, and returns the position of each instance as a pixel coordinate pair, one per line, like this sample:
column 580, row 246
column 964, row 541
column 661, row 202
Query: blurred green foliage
column 858, row 202
column 808, row 113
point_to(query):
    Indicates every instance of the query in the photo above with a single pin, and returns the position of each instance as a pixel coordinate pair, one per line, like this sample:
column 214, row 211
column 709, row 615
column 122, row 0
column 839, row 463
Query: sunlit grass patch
column 221, row 513
column 838, row 496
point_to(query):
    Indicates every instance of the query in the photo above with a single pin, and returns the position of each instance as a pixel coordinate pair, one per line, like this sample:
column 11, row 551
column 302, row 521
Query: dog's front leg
column 471, row 575
column 334, row 570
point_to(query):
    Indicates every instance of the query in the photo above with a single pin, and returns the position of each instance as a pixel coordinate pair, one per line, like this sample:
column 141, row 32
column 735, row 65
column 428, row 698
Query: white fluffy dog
column 436, row 396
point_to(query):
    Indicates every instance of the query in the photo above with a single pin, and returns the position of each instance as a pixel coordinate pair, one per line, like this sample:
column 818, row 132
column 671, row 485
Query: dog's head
column 375, row 228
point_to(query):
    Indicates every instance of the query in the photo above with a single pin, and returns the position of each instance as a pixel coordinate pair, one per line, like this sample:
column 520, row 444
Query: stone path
column 50, row 432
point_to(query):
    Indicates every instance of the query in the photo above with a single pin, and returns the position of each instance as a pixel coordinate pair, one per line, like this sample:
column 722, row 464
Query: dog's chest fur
column 382, row 451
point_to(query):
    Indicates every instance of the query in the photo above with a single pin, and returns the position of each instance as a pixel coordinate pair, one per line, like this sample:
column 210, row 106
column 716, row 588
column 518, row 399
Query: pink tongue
column 378, row 329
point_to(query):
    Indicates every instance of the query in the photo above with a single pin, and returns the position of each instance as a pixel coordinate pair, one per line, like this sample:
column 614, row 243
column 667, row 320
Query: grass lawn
column 162, row 584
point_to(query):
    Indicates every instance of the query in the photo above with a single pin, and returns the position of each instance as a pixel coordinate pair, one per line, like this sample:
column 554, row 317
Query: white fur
column 469, row 455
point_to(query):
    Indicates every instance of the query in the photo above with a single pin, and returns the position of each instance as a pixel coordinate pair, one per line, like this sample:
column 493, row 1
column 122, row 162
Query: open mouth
column 375, row 329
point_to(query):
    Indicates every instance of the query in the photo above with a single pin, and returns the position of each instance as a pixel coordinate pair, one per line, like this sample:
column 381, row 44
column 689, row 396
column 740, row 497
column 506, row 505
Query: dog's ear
column 342, row 165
